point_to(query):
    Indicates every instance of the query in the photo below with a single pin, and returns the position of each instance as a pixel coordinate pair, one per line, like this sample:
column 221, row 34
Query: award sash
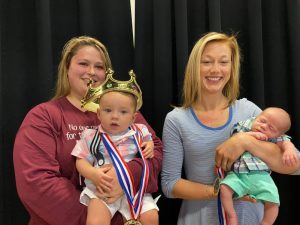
column 221, row 212
column 124, row 175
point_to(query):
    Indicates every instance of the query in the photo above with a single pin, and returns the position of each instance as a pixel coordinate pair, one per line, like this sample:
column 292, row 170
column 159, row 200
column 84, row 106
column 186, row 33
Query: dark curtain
column 33, row 33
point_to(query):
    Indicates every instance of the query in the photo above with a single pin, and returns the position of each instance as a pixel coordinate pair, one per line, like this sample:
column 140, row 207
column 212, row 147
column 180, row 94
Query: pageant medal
column 217, row 186
column 125, row 177
column 132, row 222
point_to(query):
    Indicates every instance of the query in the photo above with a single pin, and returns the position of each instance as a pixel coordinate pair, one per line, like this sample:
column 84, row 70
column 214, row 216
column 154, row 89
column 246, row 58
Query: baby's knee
column 225, row 191
column 150, row 217
column 93, row 221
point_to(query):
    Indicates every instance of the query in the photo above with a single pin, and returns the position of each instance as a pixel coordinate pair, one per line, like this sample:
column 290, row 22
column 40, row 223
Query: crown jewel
column 91, row 99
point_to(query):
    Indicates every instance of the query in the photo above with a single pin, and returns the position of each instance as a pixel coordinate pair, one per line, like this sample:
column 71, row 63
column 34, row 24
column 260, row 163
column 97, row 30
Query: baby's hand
column 258, row 135
column 148, row 149
column 248, row 199
column 290, row 157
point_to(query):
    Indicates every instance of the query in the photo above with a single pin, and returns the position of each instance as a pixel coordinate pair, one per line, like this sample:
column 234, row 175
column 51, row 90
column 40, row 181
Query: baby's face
column 267, row 123
column 116, row 112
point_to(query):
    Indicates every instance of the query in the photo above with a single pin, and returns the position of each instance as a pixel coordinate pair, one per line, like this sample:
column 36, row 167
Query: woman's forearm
column 231, row 149
column 136, row 165
column 270, row 153
column 185, row 189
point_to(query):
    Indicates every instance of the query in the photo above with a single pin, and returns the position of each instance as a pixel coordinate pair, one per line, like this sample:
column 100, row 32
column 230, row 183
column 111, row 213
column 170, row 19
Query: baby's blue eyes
column 107, row 110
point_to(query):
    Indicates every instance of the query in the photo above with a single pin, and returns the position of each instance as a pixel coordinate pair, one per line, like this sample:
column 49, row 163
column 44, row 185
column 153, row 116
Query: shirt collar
column 116, row 137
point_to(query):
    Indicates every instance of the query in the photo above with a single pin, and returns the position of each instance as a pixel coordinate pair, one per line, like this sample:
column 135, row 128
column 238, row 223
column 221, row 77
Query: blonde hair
column 191, row 85
column 70, row 49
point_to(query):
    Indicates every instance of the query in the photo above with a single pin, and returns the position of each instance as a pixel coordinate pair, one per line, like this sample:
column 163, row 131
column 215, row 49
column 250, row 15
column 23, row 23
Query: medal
column 217, row 186
column 134, row 198
column 132, row 222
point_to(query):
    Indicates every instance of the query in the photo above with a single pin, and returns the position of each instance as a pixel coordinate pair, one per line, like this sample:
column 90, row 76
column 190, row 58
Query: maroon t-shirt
column 46, row 177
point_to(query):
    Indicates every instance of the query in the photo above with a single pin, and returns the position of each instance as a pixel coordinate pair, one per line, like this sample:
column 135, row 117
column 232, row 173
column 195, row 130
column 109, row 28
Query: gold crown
column 91, row 99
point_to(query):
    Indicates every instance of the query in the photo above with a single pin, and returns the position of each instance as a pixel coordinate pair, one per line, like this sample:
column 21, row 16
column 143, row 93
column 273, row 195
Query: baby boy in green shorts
column 251, row 176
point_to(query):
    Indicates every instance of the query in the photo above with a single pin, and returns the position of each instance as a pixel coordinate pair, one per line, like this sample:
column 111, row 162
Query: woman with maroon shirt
column 46, row 178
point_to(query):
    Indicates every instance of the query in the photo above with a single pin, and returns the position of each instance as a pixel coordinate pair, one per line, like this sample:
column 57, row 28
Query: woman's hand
column 247, row 198
column 115, row 192
column 230, row 150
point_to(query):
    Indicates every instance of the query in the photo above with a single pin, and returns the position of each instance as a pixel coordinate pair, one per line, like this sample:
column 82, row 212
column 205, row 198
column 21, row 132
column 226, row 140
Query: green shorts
column 257, row 184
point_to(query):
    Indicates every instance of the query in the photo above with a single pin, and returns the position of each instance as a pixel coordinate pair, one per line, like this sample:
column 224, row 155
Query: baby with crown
column 116, row 141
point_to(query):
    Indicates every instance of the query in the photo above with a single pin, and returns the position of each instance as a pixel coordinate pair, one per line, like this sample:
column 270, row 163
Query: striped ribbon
column 221, row 212
column 124, row 175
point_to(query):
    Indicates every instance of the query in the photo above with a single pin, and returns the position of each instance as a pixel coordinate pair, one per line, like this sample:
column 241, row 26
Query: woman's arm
column 185, row 189
column 50, row 197
column 136, row 165
column 234, row 147
column 173, row 185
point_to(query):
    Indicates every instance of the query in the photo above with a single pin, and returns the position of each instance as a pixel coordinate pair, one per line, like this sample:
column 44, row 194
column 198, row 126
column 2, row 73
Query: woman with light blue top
column 196, row 136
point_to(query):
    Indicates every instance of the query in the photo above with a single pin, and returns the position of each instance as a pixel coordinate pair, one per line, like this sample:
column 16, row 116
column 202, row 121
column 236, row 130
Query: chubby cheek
column 76, row 71
column 269, row 134
column 227, row 75
column 98, row 113
column 203, row 71
column 99, row 79
column 101, row 76
column 78, row 87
